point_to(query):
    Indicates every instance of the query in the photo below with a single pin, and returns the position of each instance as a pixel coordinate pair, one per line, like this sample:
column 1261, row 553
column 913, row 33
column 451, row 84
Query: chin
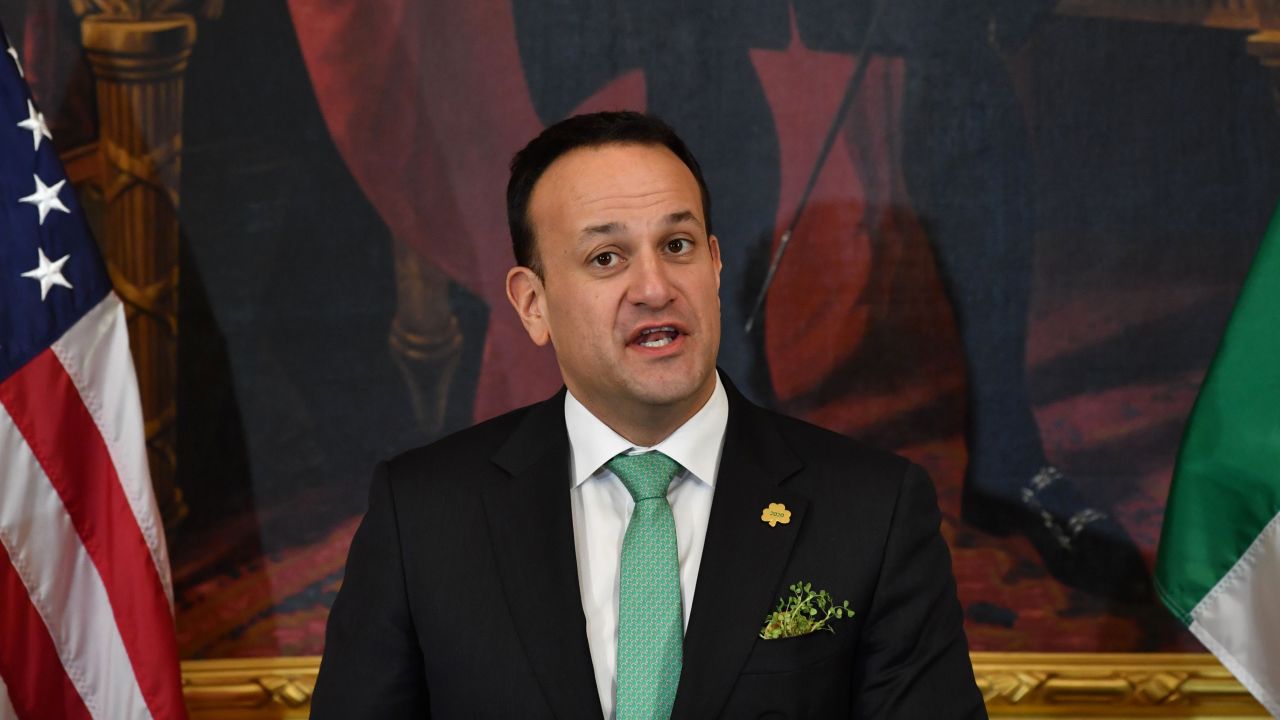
column 671, row 388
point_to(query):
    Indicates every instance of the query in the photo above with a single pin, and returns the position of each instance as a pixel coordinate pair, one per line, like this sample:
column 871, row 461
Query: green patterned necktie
column 650, row 627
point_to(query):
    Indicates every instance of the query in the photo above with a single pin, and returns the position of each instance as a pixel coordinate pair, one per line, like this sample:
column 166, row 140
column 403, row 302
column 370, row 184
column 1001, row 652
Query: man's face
column 630, row 290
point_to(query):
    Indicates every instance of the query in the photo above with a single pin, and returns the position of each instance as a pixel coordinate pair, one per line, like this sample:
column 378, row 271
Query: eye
column 605, row 259
column 679, row 246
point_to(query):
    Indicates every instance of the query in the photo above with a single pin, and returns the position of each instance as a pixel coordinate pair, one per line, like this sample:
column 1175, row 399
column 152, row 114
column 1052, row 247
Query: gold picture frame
column 1015, row 685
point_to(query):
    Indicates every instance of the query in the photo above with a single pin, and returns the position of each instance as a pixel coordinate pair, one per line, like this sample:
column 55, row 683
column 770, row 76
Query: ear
column 527, row 296
column 714, row 245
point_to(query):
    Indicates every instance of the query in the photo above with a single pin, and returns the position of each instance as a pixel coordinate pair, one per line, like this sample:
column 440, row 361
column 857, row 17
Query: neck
column 647, row 425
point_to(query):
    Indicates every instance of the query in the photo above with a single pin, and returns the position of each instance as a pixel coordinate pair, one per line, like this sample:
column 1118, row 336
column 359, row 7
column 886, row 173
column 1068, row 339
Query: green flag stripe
column 1226, row 486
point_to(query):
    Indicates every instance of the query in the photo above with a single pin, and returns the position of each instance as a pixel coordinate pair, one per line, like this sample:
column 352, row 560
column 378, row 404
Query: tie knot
column 646, row 475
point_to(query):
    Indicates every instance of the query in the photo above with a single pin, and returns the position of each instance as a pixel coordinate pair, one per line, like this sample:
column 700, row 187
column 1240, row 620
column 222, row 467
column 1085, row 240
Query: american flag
column 86, row 600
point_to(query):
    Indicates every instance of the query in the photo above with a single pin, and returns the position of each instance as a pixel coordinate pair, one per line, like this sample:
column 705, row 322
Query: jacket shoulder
column 822, row 447
column 460, row 457
column 846, row 472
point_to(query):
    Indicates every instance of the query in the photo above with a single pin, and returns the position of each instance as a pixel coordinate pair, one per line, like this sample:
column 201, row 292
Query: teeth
column 658, row 329
column 660, row 342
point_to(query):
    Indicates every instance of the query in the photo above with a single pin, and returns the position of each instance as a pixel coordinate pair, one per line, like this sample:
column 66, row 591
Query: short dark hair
column 579, row 131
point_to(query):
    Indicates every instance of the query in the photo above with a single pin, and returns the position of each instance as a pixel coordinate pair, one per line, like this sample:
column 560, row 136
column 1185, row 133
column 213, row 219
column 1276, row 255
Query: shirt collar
column 696, row 444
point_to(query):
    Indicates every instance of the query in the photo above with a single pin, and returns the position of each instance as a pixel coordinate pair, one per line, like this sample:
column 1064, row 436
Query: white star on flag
column 35, row 123
column 46, row 197
column 48, row 273
column 13, row 53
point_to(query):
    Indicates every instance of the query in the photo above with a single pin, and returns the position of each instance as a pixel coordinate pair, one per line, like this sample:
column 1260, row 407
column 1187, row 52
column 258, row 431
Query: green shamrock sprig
column 804, row 612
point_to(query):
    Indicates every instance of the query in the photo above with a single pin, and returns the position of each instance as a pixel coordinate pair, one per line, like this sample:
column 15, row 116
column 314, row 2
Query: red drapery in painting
column 427, row 103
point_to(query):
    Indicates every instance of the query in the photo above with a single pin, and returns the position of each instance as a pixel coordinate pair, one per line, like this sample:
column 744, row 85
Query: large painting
column 1014, row 237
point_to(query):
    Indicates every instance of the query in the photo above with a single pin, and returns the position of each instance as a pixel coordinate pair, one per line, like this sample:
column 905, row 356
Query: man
column 615, row 550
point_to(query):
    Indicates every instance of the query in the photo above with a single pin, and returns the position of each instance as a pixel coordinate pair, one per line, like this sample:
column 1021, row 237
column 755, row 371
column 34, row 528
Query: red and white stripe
column 6, row 707
column 95, row 354
column 85, row 594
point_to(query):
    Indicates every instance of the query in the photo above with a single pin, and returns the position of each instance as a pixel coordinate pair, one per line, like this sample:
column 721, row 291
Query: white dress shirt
column 602, row 508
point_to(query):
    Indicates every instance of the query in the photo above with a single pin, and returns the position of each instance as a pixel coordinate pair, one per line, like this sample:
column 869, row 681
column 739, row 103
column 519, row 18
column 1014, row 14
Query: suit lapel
column 532, row 532
column 742, row 559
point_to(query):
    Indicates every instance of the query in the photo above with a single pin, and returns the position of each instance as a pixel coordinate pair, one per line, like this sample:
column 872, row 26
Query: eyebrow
column 613, row 228
column 676, row 218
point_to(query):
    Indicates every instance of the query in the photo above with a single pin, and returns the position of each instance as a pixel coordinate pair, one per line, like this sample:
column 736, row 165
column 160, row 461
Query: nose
column 650, row 282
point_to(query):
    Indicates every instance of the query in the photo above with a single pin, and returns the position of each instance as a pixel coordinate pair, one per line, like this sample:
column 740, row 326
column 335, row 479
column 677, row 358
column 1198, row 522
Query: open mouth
column 657, row 337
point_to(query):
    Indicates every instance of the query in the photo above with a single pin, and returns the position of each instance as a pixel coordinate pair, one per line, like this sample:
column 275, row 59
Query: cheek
column 581, row 321
column 709, row 293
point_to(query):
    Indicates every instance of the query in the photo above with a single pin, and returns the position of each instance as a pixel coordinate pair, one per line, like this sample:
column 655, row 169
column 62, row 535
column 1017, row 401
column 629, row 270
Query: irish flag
column 1218, row 568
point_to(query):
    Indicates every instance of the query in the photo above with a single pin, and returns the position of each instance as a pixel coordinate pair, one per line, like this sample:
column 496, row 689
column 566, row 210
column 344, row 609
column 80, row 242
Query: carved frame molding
column 1222, row 14
column 1015, row 685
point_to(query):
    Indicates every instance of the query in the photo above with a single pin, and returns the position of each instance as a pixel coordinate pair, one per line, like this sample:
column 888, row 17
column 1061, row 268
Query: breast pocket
column 797, row 653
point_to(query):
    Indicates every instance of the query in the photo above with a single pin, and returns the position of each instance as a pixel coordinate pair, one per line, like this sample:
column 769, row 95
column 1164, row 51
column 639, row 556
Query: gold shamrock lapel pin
column 776, row 513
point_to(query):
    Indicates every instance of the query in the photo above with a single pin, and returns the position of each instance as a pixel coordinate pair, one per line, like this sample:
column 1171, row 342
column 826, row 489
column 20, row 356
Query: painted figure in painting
column 963, row 180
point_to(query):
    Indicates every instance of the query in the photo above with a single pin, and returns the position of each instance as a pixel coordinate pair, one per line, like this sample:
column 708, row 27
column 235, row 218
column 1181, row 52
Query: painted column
column 139, row 67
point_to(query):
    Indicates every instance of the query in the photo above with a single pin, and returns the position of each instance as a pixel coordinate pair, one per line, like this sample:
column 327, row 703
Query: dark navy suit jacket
column 461, row 594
